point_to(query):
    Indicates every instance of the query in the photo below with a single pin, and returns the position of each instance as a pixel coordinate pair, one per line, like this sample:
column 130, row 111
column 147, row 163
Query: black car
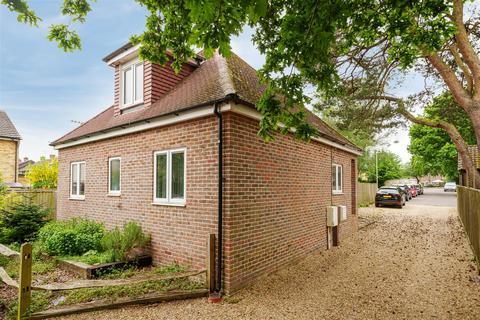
column 390, row 196
column 405, row 190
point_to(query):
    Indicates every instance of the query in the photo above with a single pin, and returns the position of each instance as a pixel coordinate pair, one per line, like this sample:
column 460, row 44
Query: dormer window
column 132, row 83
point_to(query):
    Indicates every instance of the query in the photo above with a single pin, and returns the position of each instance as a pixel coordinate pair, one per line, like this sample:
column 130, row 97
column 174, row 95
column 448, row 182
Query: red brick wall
column 276, row 196
column 178, row 233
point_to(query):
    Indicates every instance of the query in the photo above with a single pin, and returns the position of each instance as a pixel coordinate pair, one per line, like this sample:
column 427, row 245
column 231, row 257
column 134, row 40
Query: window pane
column 161, row 187
column 127, row 86
column 139, row 82
column 82, row 179
column 115, row 175
column 178, row 174
column 334, row 177
column 74, row 177
column 339, row 177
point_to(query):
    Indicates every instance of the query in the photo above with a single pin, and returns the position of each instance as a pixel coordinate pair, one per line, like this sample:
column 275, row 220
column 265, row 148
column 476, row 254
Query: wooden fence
column 44, row 198
column 468, row 204
column 366, row 193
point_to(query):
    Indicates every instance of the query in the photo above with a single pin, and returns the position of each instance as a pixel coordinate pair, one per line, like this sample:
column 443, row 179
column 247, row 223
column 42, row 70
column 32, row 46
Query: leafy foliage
column 72, row 237
column 433, row 152
column 389, row 167
column 304, row 42
column 121, row 244
column 43, row 174
column 21, row 222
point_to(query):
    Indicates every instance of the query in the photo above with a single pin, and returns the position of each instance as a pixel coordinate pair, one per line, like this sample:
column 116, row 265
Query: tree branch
column 451, row 80
column 466, row 71
column 451, row 130
column 465, row 47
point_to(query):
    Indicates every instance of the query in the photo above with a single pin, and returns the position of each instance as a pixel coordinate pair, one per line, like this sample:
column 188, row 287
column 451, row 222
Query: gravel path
column 413, row 263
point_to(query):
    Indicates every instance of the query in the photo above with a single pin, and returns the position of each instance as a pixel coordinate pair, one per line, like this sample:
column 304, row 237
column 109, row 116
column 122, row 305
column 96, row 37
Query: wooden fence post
column 210, row 263
column 25, row 287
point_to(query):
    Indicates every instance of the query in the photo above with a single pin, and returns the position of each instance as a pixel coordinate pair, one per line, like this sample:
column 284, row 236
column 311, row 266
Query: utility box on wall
column 332, row 216
column 342, row 213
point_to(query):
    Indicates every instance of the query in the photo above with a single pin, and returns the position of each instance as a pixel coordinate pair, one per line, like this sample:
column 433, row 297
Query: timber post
column 210, row 279
column 25, row 285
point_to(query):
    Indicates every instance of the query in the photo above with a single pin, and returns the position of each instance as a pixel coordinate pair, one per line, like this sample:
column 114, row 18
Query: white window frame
column 169, row 200
column 110, row 191
column 77, row 195
column 338, row 189
column 131, row 64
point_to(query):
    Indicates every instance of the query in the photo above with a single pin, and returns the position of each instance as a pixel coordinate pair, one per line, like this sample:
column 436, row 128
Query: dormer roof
column 216, row 79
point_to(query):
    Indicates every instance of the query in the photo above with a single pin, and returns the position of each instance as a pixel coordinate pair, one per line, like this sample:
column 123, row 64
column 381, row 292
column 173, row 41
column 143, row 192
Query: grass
column 365, row 204
column 135, row 290
column 90, row 257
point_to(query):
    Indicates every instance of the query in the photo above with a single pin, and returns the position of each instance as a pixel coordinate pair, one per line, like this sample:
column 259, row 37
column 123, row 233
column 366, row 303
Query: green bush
column 73, row 237
column 127, row 244
column 21, row 222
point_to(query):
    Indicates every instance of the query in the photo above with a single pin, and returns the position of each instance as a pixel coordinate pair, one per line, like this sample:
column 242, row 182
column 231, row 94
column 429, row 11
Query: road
column 410, row 263
column 436, row 197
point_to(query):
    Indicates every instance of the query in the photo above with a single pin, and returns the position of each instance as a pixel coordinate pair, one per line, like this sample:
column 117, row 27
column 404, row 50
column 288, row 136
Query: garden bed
column 138, row 283
column 89, row 271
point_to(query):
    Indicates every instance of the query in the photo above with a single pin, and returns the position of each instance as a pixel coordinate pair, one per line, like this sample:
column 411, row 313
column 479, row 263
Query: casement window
column 169, row 186
column 132, row 83
column 337, row 178
column 77, row 180
column 114, row 176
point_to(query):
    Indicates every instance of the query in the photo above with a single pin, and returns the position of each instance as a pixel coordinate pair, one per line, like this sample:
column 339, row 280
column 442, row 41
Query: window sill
column 77, row 198
column 114, row 194
column 337, row 193
column 171, row 204
column 128, row 108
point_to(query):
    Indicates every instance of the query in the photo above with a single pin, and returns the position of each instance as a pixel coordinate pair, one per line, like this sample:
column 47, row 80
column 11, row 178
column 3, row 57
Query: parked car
column 406, row 190
column 420, row 188
column 414, row 190
column 390, row 196
column 450, row 186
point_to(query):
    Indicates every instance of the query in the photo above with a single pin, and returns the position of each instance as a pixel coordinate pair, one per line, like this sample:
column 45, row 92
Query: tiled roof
column 7, row 129
column 216, row 79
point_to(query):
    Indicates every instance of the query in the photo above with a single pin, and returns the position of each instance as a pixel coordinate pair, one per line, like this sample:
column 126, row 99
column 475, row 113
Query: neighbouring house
column 466, row 179
column 22, row 170
column 179, row 152
column 9, row 144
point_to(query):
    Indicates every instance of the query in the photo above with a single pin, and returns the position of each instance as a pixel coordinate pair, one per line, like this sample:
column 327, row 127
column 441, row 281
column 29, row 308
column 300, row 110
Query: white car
column 450, row 186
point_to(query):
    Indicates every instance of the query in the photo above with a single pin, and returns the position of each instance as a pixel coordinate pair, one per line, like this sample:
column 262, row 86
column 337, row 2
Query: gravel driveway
column 413, row 263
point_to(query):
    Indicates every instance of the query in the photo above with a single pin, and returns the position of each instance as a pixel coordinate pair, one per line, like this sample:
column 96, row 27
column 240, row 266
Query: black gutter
column 220, row 199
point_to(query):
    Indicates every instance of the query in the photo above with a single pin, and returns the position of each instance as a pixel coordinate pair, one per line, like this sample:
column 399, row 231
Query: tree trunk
column 457, row 139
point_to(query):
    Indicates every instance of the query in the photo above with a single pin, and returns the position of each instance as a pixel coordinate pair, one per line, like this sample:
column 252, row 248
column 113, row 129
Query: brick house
column 9, row 144
column 180, row 153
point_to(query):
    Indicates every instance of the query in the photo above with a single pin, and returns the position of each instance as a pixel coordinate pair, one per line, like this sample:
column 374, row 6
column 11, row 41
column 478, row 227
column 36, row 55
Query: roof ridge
column 226, row 82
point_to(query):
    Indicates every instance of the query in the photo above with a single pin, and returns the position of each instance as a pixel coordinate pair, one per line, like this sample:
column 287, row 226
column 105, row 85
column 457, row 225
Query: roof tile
column 215, row 79
column 7, row 129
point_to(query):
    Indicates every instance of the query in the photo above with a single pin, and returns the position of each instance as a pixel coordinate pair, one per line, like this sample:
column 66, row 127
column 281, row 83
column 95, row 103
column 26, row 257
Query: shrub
column 73, row 237
column 21, row 222
column 127, row 244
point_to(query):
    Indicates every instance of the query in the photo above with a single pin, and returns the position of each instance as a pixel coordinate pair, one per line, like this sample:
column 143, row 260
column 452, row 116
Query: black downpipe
column 220, row 198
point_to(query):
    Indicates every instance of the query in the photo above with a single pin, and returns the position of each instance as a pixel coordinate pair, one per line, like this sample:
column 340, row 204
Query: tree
column 352, row 52
column 433, row 152
column 389, row 167
column 43, row 174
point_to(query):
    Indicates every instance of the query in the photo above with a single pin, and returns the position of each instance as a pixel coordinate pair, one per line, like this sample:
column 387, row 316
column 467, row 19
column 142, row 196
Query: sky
column 46, row 92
